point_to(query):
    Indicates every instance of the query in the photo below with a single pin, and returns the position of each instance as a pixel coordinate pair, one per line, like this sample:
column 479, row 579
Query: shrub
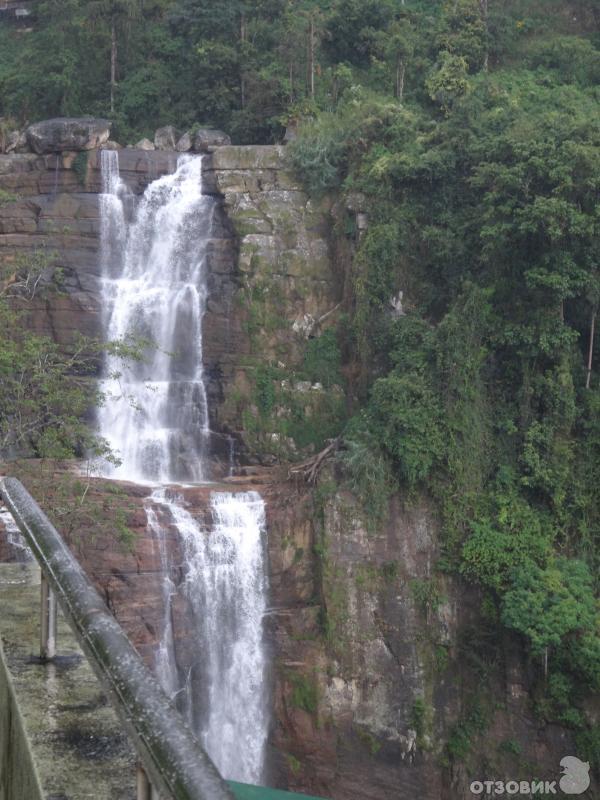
column 405, row 416
column 322, row 360
column 368, row 471
column 555, row 609
column 318, row 154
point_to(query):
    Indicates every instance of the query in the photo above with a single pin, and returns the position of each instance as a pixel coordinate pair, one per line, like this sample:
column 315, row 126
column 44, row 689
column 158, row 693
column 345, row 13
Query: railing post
column 144, row 787
column 48, row 621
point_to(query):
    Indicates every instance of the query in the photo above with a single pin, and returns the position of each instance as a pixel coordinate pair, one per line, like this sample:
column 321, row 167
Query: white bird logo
column 575, row 775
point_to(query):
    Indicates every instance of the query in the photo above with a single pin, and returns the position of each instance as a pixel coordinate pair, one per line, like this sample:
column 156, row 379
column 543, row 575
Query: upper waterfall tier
column 154, row 283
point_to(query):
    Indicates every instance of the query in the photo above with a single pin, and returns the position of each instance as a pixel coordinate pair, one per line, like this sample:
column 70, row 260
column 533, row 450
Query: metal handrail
column 176, row 764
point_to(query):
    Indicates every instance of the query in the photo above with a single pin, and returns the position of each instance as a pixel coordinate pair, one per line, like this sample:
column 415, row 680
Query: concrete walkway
column 59, row 737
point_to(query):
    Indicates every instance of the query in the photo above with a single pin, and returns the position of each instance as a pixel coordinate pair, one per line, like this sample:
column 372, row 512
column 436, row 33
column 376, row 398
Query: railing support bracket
column 47, row 621
column 144, row 787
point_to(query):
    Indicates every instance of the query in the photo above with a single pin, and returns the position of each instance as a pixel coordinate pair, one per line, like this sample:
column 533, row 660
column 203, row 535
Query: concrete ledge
column 59, row 738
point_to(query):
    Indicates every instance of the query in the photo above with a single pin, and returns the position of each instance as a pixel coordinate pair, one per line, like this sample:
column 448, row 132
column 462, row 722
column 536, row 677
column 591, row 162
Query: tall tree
column 115, row 14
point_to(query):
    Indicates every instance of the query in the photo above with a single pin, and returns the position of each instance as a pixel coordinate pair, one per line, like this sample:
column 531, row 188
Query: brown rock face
column 50, row 211
column 285, row 290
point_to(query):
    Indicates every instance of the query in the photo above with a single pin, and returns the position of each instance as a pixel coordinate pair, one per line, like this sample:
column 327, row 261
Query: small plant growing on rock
column 80, row 166
column 305, row 693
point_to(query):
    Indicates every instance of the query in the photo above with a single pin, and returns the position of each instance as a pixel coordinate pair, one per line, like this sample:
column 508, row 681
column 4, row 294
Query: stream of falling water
column 154, row 283
column 153, row 260
column 14, row 538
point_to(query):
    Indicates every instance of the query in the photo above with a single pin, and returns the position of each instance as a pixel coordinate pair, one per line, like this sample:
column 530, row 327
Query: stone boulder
column 144, row 144
column 67, row 133
column 185, row 143
column 16, row 142
column 206, row 138
column 166, row 138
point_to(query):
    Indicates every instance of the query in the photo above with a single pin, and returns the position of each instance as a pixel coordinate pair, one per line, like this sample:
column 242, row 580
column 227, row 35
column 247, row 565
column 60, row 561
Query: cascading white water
column 113, row 227
column 233, row 590
column 226, row 585
column 14, row 538
column 156, row 418
column 165, row 665
column 156, row 414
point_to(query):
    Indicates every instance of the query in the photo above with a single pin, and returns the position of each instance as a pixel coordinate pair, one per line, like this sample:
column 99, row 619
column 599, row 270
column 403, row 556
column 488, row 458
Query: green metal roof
column 243, row 791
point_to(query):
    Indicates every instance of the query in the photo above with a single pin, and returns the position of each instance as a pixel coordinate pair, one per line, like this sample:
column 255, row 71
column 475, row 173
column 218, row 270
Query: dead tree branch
column 309, row 470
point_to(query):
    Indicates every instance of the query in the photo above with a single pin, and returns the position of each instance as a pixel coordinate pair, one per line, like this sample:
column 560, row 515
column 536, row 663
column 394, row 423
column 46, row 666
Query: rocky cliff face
column 284, row 287
column 271, row 279
column 389, row 681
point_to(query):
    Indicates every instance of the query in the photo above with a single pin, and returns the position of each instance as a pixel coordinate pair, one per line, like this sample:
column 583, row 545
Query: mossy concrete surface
column 59, row 738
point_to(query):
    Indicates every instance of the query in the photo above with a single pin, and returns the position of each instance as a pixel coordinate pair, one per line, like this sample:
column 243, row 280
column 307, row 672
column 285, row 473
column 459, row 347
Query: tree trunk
column 591, row 349
column 311, row 57
column 400, row 73
column 545, row 663
column 242, row 75
column 483, row 5
column 113, row 63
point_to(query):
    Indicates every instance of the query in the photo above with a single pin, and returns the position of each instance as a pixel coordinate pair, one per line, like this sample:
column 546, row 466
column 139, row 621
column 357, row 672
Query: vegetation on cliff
column 249, row 67
column 46, row 400
column 482, row 192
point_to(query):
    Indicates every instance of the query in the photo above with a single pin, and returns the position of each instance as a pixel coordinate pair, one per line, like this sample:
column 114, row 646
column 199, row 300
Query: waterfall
column 165, row 665
column 226, row 586
column 231, row 447
column 155, row 417
column 113, row 229
column 14, row 538
column 153, row 261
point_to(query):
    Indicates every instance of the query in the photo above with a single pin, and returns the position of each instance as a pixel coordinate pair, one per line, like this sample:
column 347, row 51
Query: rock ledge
column 67, row 133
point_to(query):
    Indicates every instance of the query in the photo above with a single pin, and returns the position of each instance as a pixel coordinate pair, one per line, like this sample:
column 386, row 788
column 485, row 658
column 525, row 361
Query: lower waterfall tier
column 222, row 583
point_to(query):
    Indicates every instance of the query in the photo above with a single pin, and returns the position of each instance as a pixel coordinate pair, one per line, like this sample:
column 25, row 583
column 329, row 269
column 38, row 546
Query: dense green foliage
column 482, row 190
column 249, row 67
